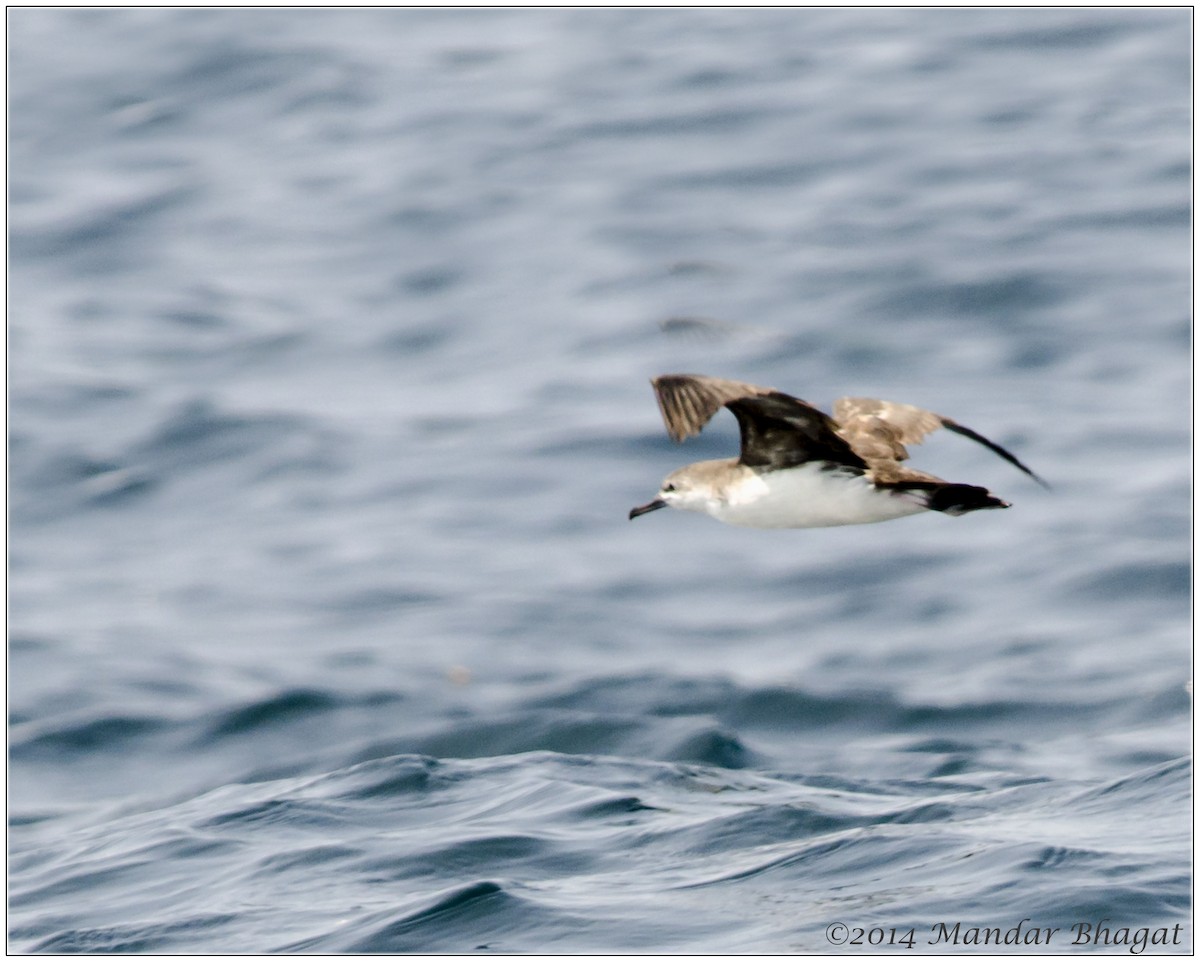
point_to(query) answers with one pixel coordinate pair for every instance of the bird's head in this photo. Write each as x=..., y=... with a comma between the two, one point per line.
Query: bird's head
x=680, y=489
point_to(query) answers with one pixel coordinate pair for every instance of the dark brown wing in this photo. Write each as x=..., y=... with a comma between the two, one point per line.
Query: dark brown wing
x=778, y=430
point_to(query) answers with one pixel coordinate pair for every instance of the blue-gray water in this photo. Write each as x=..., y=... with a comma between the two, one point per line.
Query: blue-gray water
x=329, y=341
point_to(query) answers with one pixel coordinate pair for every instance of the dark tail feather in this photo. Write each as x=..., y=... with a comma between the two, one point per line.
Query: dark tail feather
x=956, y=499
x=952, y=499
x=991, y=446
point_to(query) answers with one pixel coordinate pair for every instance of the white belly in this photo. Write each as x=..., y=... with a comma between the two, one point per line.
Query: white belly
x=808, y=497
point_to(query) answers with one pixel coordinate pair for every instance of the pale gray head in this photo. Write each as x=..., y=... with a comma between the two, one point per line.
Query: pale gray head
x=691, y=488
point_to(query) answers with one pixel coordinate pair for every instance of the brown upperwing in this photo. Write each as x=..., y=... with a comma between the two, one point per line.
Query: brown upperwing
x=779, y=430
x=879, y=430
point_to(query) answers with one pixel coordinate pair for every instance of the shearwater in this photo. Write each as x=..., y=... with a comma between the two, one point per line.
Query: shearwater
x=801, y=468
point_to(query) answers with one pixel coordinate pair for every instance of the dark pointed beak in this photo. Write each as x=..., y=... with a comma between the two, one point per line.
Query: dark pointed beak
x=647, y=508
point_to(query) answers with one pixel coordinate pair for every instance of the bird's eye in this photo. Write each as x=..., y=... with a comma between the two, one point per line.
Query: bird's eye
x=668, y=487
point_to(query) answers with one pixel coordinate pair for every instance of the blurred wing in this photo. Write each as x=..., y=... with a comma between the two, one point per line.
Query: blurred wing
x=689, y=401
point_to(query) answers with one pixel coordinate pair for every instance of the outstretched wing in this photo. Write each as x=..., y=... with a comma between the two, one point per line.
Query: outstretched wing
x=879, y=430
x=777, y=430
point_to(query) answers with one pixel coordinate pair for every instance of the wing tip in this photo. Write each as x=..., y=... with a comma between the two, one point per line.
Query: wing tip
x=674, y=415
x=951, y=425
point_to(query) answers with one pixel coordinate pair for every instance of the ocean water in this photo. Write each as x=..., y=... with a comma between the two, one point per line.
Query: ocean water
x=329, y=343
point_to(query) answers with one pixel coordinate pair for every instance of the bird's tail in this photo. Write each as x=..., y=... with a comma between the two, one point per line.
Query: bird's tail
x=952, y=499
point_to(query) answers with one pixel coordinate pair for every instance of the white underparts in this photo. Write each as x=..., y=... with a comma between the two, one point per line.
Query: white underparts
x=807, y=496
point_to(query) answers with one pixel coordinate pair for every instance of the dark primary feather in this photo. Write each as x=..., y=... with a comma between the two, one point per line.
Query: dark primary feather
x=991, y=446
